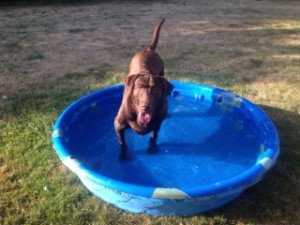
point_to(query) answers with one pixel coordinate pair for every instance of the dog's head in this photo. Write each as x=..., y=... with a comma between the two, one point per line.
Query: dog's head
x=146, y=94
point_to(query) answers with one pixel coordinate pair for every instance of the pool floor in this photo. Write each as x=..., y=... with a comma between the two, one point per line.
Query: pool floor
x=200, y=142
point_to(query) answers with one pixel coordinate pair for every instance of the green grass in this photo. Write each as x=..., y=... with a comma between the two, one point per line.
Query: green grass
x=261, y=64
x=39, y=190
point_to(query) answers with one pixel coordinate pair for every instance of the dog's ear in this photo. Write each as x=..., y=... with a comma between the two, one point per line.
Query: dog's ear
x=129, y=81
x=168, y=87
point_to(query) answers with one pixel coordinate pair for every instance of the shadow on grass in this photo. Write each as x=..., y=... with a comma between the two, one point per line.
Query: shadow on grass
x=271, y=200
x=43, y=98
x=57, y=94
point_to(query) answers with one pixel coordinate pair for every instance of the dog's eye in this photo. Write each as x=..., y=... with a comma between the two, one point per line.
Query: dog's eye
x=140, y=87
x=155, y=89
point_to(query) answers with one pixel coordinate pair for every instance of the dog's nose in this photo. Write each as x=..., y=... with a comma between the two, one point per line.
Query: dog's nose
x=145, y=107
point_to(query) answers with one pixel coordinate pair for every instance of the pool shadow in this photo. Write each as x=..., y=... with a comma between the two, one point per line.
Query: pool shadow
x=267, y=201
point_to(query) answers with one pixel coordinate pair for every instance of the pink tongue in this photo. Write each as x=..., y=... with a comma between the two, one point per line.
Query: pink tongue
x=144, y=118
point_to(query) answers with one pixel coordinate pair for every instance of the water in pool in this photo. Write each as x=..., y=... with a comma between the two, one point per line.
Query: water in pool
x=200, y=142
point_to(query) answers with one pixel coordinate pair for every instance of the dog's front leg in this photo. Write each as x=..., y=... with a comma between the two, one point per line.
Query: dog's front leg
x=120, y=132
x=152, y=146
x=124, y=153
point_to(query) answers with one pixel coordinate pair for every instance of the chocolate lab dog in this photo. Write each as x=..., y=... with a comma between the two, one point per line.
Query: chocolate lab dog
x=144, y=102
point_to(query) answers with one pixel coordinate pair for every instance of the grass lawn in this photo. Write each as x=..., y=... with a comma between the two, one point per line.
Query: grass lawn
x=53, y=52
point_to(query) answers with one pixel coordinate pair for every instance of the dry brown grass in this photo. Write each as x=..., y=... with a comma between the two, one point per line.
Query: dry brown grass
x=253, y=40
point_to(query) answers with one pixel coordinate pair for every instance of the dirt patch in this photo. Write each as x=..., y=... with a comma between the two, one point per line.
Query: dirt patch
x=42, y=42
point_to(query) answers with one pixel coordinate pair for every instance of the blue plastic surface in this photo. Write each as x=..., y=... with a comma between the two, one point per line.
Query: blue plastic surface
x=212, y=146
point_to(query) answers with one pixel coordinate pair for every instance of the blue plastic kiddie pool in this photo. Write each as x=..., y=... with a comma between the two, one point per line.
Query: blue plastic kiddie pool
x=212, y=146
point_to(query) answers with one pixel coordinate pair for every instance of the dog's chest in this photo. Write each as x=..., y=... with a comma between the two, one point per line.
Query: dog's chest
x=140, y=129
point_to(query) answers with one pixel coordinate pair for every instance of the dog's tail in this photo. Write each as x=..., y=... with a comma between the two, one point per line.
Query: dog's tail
x=154, y=40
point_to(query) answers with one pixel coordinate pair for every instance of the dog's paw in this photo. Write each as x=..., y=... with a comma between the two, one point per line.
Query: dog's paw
x=124, y=155
x=152, y=147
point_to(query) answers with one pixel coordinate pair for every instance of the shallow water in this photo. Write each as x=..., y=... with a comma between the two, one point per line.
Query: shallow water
x=200, y=142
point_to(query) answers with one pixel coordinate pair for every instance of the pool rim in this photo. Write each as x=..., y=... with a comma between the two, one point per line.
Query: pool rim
x=232, y=185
